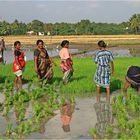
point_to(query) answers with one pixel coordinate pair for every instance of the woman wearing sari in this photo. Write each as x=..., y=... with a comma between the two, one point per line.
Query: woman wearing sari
x=66, y=61
x=42, y=62
x=2, y=48
x=18, y=64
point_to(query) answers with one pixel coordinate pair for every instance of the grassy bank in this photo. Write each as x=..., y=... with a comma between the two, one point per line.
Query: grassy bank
x=82, y=81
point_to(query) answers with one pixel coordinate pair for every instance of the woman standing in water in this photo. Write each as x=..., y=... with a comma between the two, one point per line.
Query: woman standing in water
x=103, y=59
x=2, y=48
x=42, y=62
x=66, y=61
x=18, y=64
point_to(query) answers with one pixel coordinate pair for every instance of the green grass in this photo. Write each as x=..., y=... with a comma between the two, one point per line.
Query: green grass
x=82, y=83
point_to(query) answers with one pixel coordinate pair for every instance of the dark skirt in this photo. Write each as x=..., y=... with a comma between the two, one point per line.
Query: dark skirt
x=133, y=75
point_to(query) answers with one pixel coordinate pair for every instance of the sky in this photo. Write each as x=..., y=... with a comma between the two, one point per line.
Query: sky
x=70, y=11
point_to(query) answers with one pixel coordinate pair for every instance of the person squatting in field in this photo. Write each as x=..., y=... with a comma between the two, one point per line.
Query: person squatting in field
x=18, y=64
x=132, y=79
x=66, y=63
x=42, y=62
x=2, y=48
x=103, y=59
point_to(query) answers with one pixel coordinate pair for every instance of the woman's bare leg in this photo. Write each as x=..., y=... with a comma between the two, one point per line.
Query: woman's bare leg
x=20, y=82
x=108, y=94
x=16, y=83
x=50, y=76
x=98, y=93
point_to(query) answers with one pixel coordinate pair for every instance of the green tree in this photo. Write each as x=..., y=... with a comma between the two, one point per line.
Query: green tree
x=83, y=27
x=18, y=28
x=5, y=28
x=48, y=28
x=36, y=26
x=135, y=23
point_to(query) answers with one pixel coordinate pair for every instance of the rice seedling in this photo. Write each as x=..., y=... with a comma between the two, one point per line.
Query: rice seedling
x=46, y=99
x=126, y=124
x=82, y=81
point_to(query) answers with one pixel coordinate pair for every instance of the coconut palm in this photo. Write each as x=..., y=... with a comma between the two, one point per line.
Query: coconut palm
x=135, y=23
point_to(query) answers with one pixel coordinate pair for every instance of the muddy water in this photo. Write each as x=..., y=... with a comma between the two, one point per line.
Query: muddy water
x=8, y=54
x=116, y=53
x=128, y=52
x=81, y=120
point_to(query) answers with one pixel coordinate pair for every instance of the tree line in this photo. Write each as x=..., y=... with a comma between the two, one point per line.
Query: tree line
x=84, y=27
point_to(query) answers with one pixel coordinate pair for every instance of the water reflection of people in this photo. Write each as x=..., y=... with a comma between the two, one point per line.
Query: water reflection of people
x=2, y=48
x=104, y=117
x=132, y=79
x=42, y=62
x=66, y=115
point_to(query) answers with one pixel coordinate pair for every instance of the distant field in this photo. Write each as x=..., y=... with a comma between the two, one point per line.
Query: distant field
x=84, y=39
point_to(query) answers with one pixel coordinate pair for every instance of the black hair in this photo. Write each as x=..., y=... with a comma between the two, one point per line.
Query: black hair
x=38, y=41
x=16, y=42
x=64, y=42
x=102, y=44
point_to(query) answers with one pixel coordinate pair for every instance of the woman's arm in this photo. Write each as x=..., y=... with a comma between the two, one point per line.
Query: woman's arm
x=35, y=64
x=16, y=55
x=17, y=61
x=112, y=66
x=68, y=62
x=52, y=61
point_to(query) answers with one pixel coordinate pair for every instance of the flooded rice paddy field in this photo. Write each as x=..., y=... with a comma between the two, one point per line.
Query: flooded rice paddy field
x=82, y=119
x=8, y=54
x=84, y=116
x=78, y=51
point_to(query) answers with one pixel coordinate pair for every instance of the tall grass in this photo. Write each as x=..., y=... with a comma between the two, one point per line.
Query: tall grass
x=82, y=81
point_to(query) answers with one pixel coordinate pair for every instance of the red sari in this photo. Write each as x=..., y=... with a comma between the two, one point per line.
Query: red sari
x=21, y=61
x=66, y=60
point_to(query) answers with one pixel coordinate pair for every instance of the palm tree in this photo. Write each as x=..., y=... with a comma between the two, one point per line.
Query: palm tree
x=135, y=23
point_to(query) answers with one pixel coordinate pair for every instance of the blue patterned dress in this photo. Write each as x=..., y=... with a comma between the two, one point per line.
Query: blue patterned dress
x=102, y=75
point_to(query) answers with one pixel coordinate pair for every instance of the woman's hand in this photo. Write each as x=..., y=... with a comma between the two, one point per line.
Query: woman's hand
x=113, y=73
x=20, y=67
